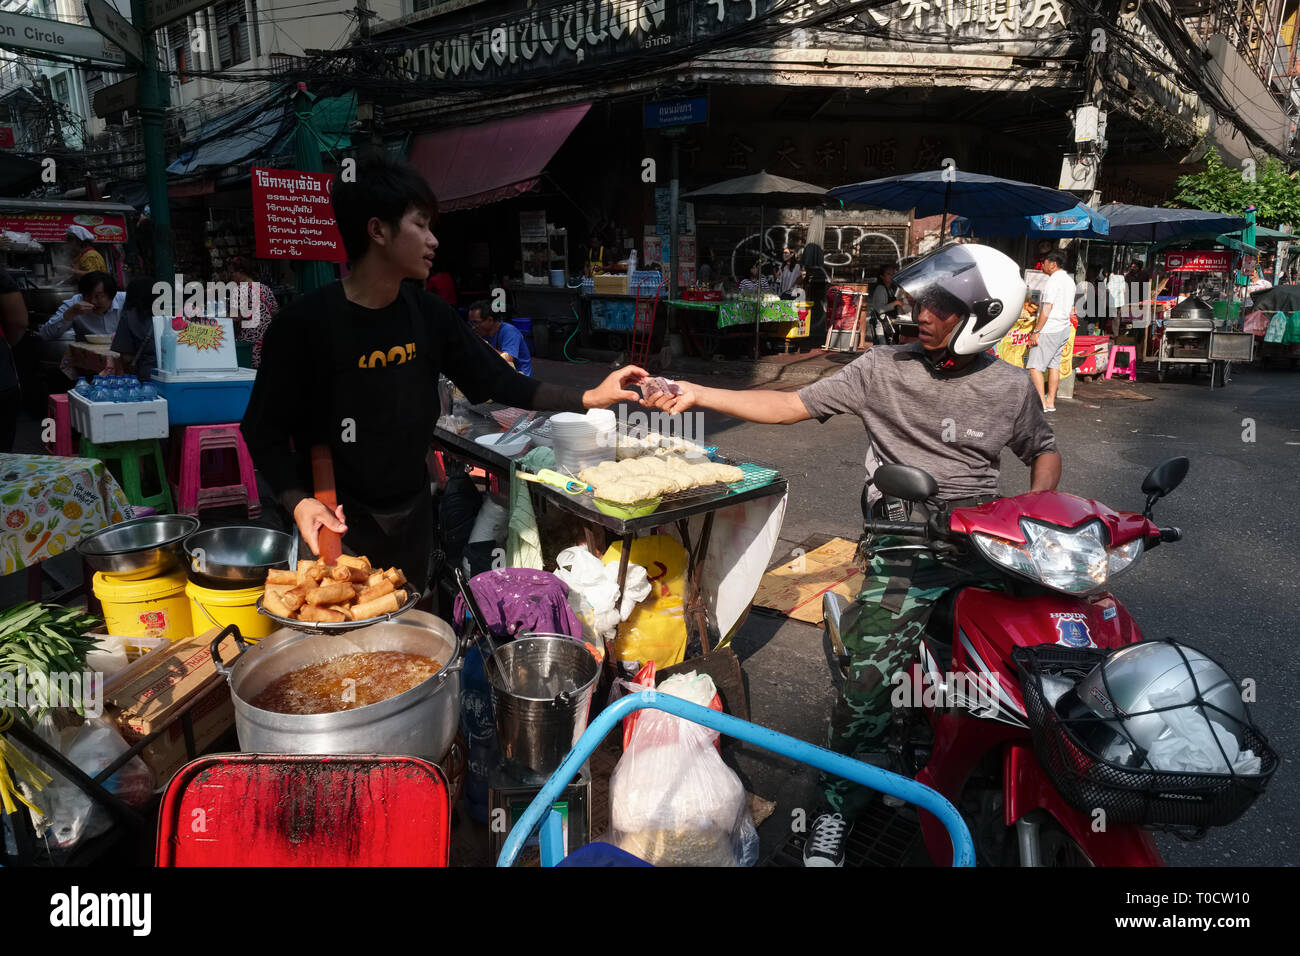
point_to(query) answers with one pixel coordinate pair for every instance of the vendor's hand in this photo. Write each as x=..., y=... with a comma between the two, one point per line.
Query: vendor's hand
x=311, y=515
x=615, y=388
x=687, y=398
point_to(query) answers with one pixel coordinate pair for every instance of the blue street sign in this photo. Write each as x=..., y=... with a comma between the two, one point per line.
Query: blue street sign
x=677, y=112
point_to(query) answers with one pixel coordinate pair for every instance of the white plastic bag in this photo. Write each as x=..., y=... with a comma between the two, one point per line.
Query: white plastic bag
x=672, y=800
x=1190, y=747
x=70, y=815
x=596, y=584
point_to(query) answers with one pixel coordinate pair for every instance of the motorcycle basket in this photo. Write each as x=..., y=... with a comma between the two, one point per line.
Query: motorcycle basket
x=1180, y=801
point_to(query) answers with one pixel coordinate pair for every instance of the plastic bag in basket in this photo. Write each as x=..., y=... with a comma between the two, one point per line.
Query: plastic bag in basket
x=673, y=802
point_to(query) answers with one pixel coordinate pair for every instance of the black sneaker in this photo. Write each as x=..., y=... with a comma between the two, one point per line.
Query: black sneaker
x=826, y=841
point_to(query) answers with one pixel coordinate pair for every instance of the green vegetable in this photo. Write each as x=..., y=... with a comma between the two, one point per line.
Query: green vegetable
x=45, y=639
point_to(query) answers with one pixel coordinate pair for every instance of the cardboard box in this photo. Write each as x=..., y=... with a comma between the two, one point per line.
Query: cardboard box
x=212, y=715
x=609, y=285
x=155, y=689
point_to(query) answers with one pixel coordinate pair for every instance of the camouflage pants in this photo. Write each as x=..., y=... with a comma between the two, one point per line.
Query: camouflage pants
x=881, y=635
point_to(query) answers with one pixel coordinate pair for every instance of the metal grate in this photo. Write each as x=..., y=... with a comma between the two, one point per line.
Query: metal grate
x=881, y=837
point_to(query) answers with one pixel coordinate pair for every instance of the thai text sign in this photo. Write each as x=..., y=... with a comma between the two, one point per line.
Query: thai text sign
x=1209, y=261
x=294, y=216
x=53, y=226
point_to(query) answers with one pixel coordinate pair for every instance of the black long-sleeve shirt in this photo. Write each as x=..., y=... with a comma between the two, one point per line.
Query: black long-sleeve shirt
x=336, y=373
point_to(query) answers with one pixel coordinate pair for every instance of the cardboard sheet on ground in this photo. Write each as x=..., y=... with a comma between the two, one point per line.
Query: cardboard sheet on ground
x=795, y=589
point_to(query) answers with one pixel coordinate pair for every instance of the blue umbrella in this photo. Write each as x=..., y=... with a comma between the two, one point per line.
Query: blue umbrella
x=1152, y=223
x=1081, y=222
x=968, y=194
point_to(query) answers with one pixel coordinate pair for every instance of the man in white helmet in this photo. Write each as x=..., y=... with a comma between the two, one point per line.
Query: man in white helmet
x=942, y=404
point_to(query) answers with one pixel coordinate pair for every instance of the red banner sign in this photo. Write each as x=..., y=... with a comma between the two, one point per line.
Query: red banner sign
x=6, y=137
x=294, y=217
x=51, y=226
x=1209, y=261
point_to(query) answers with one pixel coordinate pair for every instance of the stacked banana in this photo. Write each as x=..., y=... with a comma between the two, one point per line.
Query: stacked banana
x=639, y=479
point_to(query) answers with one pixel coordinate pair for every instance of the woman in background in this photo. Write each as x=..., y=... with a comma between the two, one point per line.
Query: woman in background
x=261, y=301
x=85, y=257
x=133, y=340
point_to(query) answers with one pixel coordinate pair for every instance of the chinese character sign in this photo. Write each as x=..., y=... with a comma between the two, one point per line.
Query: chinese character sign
x=294, y=216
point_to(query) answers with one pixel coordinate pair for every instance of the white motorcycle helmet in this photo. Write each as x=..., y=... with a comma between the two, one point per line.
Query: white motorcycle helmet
x=1118, y=691
x=974, y=280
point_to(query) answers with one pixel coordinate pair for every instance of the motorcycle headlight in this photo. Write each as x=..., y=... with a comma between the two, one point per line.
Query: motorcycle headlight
x=1070, y=560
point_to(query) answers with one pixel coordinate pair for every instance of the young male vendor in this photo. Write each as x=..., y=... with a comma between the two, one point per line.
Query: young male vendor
x=354, y=366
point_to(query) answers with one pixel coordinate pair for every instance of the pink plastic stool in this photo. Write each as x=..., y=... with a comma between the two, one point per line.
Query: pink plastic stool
x=193, y=494
x=57, y=409
x=1132, y=371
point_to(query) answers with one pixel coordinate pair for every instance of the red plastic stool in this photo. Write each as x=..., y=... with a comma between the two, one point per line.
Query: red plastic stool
x=57, y=409
x=193, y=495
x=1132, y=371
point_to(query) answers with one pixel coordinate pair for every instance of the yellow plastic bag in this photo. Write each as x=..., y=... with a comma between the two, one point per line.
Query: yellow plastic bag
x=1014, y=347
x=656, y=630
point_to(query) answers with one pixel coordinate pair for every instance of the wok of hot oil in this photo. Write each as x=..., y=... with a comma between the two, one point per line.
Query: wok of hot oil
x=346, y=682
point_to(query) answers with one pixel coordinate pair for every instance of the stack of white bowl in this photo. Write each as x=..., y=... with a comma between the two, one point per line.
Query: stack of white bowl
x=581, y=441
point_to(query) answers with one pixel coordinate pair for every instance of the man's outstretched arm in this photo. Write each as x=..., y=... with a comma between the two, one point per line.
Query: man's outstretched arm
x=761, y=405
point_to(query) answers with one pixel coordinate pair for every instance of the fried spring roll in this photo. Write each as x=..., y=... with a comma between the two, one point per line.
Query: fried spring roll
x=401, y=597
x=377, y=577
x=274, y=604
x=384, y=605
x=360, y=564
x=360, y=575
x=376, y=591
x=340, y=573
x=396, y=576
x=331, y=593
x=343, y=609
x=295, y=597
x=304, y=564
x=275, y=576
x=321, y=615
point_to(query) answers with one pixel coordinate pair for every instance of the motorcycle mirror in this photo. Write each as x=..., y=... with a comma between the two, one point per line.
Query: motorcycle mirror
x=1165, y=477
x=906, y=482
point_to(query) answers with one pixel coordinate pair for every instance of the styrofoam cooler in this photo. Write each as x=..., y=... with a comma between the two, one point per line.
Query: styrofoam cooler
x=106, y=422
x=205, y=398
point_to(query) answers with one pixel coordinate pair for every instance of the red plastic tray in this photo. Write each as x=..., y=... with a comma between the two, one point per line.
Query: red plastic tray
x=304, y=810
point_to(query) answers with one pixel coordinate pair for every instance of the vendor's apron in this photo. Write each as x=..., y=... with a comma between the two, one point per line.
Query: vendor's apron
x=398, y=535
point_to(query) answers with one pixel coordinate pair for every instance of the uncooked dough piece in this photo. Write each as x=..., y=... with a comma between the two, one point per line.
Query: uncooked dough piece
x=635, y=466
x=606, y=470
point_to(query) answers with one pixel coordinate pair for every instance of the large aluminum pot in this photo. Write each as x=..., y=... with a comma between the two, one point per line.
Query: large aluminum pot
x=421, y=722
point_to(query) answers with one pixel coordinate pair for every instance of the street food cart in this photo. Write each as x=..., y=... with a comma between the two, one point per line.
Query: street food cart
x=1189, y=339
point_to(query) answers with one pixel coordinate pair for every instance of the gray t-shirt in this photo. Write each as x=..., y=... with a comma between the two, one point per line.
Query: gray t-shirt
x=953, y=426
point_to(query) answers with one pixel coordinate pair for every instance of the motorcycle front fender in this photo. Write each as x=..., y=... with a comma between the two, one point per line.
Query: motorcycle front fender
x=1026, y=788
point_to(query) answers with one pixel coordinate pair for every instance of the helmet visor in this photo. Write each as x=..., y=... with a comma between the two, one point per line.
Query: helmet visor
x=949, y=280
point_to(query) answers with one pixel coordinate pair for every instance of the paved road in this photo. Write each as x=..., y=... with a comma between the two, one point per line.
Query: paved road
x=1230, y=587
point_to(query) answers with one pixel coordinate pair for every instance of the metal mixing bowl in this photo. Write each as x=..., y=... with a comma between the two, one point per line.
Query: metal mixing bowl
x=138, y=545
x=234, y=557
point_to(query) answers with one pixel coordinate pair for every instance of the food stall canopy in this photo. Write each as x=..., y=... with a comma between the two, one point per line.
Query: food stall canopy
x=760, y=189
x=938, y=191
x=1081, y=222
x=47, y=220
x=475, y=165
x=1152, y=223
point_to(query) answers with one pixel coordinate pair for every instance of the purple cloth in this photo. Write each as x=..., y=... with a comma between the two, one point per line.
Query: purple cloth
x=514, y=600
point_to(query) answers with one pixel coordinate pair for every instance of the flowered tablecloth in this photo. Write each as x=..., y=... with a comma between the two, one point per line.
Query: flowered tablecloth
x=741, y=312
x=48, y=504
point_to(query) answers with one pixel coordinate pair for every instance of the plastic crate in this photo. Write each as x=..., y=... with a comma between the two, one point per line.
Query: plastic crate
x=107, y=422
x=207, y=401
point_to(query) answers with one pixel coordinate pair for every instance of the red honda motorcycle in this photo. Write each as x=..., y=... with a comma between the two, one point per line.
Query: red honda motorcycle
x=964, y=729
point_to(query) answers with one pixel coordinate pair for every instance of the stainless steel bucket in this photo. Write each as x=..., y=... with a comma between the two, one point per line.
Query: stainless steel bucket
x=421, y=722
x=541, y=691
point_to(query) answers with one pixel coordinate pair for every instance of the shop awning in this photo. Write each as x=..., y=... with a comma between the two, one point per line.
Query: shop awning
x=474, y=165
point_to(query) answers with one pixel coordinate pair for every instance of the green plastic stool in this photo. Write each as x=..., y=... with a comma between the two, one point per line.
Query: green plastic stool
x=132, y=457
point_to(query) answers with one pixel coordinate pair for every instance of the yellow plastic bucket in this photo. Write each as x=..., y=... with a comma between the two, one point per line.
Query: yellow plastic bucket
x=211, y=608
x=155, y=607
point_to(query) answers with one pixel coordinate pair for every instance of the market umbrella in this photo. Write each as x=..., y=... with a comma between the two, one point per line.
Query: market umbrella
x=953, y=191
x=1151, y=223
x=1081, y=222
x=306, y=158
x=761, y=189
x=1280, y=298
